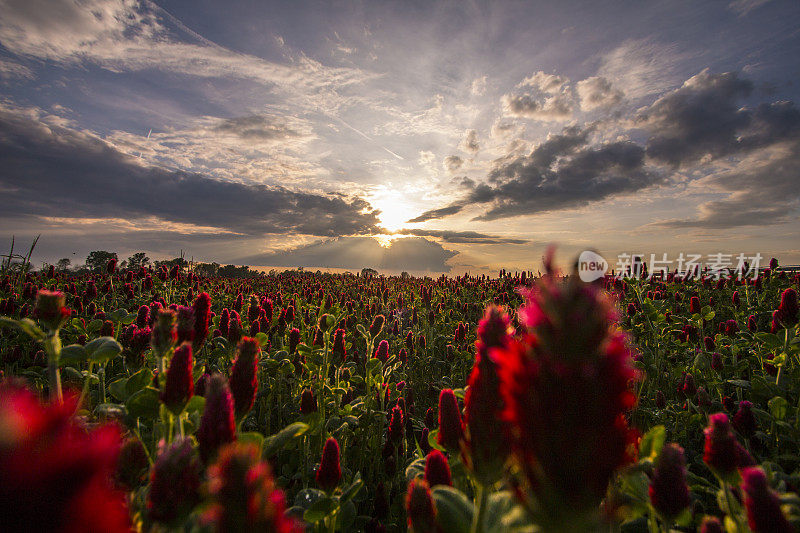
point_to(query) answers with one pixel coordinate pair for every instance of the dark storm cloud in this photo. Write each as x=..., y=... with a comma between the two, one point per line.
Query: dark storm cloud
x=411, y=253
x=461, y=237
x=699, y=119
x=258, y=128
x=438, y=213
x=561, y=172
x=763, y=191
x=551, y=179
x=59, y=172
x=703, y=121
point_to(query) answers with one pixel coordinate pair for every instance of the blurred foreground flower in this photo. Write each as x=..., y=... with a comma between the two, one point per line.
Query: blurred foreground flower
x=566, y=391
x=54, y=475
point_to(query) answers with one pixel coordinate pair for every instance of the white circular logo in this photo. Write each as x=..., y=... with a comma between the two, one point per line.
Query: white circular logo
x=591, y=266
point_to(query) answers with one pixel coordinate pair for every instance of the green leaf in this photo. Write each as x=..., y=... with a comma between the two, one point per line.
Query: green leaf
x=374, y=366
x=454, y=510
x=263, y=338
x=770, y=339
x=308, y=497
x=503, y=513
x=354, y=488
x=27, y=325
x=117, y=315
x=138, y=381
x=416, y=468
x=117, y=389
x=73, y=354
x=778, y=407
x=432, y=440
x=742, y=383
x=281, y=439
x=94, y=325
x=196, y=404
x=319, y=510
x=361, y=329
x=144, y=404
x=102, y=349
x=652, y=442
x=252, y=437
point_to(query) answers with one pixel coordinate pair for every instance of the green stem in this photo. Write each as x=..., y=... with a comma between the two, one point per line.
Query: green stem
x=101, y=374
x=52, y=345
x=482, y=498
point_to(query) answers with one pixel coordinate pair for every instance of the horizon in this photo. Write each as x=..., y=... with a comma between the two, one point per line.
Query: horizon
x=433, y=138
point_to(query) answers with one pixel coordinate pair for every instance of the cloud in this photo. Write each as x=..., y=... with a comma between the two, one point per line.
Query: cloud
x=545, y=83
x=470, y=142
x=750, y=154
x=640, y=67
x=479, y=86
x=703, y=121
x=462, y=237
x=598, y=93
x=762, y=191
x=134, y=36
x=438, y=213
x=426, y=157
x=11, y=70
x=562, y=172
x=54, y=171
x=743, y=7
x=452, y=163
x=415, y=254
x=553, y=108
x=258, y=128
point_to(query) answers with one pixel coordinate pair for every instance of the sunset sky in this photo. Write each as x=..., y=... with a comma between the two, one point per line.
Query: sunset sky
x=420, y=136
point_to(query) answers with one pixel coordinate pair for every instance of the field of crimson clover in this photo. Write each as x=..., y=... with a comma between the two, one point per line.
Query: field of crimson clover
x=158, y=400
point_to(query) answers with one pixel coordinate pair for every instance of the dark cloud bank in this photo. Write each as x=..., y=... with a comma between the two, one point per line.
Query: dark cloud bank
x=410, y=253
x=56, y=171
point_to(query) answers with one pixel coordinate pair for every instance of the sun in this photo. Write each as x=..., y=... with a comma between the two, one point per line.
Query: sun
x=395, y=209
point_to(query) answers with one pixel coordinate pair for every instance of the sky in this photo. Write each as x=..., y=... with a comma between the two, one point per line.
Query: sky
x=431, y=137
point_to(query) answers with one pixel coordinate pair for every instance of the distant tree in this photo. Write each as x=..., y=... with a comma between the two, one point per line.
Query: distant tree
x=368, y=272
x=96, y=261
x=62, y=265
x=169, y=263
x=138, y=260
x=206, y=269
x=233, y=271
x=405, y=275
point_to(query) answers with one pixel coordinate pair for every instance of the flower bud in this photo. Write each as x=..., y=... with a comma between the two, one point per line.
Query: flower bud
x=217, y=426
x=669, y=492
x=50, y=309
x=764, y=514
x=308, y=403
x=175, y=481
x=437, y=470
x=330, y=472
x=244, y=376
x=180, y=381
x=420, y=508
x=720, y=446
x=450, y=424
